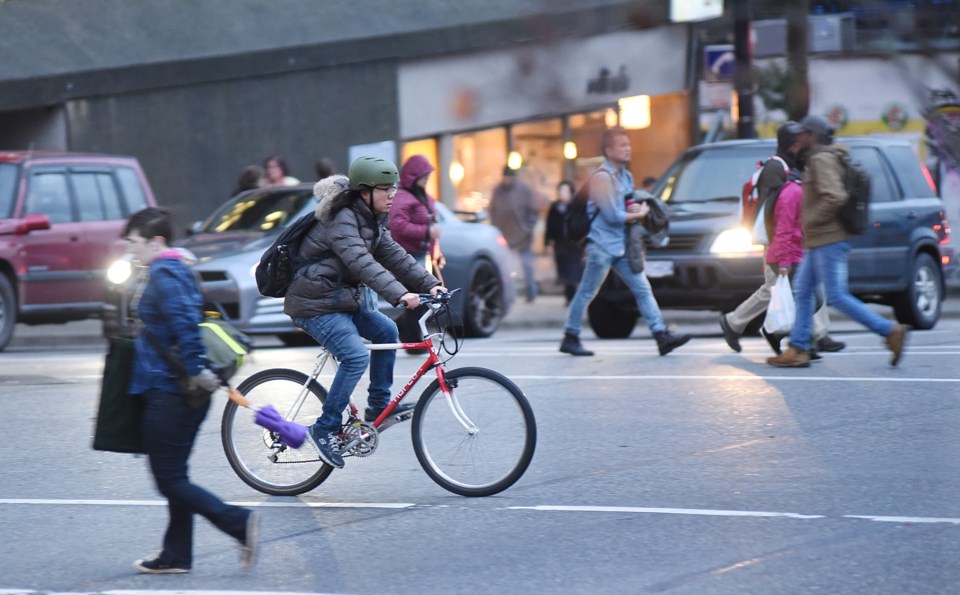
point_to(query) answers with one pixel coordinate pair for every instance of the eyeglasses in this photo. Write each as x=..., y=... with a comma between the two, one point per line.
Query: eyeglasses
x=390, y=189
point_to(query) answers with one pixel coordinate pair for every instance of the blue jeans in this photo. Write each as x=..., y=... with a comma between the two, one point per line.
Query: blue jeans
x=828, y=265
x=526, y=261
x=340, y=333
x=599, y=263
x=169, y=430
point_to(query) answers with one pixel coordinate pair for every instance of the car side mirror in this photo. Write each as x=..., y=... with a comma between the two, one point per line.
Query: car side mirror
x=194, y=229
x=34, y=222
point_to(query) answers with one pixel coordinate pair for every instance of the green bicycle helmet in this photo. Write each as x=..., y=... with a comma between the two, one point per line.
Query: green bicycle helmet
x=372, y=171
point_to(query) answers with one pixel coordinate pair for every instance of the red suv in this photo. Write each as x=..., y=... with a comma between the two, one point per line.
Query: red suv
x=61, y=215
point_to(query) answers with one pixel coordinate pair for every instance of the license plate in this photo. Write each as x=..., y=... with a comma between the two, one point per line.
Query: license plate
x=659, y=268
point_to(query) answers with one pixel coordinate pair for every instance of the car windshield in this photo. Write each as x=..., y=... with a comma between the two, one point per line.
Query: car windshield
x=262, y=211
x=8, y=182
x=711, y=175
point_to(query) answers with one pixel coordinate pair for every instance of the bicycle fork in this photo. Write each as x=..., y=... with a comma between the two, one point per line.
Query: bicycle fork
x=447, y=386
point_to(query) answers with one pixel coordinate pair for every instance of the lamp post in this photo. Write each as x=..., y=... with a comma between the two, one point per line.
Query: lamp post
x=743, y=74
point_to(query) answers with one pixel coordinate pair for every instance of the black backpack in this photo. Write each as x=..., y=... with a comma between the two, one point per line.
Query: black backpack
x=280, y=262
x=577, y=220
x=855, y=213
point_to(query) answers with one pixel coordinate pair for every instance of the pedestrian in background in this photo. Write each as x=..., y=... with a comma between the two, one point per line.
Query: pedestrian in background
x=828, y=250
x=413, y=224
x=610, y=187
x=567, y=255
x=170, y=308
x=514, y=211
x=324, y=168
x=251, y=177
x=781, y=194
x=278, y=174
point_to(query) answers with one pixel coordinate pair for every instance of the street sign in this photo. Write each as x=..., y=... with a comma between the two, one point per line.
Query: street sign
x=718, y=63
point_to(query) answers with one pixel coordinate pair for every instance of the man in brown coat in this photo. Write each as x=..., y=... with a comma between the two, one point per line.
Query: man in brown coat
x=513, y=210
x=828, y=251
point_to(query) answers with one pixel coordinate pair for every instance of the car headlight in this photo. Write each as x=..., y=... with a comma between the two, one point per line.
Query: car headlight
x=120, y=271
x=735, y=241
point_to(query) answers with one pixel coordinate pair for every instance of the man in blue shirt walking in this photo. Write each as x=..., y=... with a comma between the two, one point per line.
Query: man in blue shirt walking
x=610, y=186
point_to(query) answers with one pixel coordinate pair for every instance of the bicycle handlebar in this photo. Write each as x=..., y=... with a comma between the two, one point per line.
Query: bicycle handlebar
x=440, y=299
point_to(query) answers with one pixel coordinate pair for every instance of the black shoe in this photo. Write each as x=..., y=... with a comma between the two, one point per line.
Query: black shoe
x=667, y=341
x=814, y=355
x=773, y=339
x=155, y=566
x=732, y=338
x=571, y=344
x=328, y=446
x=828, y=345
x=401, y=412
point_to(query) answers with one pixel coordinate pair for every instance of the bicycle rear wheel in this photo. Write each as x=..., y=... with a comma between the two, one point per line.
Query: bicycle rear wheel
x=256, y=454
x=479, y=441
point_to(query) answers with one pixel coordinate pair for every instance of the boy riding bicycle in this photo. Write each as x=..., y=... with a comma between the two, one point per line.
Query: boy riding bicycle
x=350, y=249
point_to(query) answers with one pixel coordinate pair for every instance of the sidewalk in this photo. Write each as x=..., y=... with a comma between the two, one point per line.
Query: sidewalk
x=548, y=311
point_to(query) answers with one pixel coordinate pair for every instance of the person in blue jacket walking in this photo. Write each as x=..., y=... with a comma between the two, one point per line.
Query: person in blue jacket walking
x=170, y=308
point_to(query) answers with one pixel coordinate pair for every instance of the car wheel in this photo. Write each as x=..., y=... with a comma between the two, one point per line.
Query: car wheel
x=919, y=306
x=483, y=310
x=8, y=311
x=610, y=321
x=300, y=339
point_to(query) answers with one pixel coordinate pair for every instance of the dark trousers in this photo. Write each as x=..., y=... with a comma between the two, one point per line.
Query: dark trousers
x=169, y=431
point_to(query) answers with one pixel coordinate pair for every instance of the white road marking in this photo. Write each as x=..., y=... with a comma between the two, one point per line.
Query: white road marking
x=903, y=519
x=535, y=508
x=291, y=504
x=690, y=511
x=735, y=377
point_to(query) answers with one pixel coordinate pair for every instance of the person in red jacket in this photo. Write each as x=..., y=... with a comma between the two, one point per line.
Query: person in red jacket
x=413, y=224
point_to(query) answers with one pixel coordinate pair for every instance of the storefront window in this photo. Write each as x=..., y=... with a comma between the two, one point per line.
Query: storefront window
x=477, y=166
x=585, y=132
x=428, y=148
x=540, y=145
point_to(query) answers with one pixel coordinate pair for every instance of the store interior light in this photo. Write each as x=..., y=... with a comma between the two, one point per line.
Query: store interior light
x=514, y=160
x=570, y=150
x=635, y=112
x=611, y=118
x=456, y=173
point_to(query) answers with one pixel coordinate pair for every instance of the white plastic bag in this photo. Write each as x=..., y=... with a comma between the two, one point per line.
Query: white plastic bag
x=760, y=229
x=782, y=309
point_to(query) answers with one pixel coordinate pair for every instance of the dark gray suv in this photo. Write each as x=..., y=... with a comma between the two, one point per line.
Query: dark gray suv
x=711, y=262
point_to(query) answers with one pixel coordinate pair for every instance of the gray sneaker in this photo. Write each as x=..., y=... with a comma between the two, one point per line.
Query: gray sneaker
x=328, y=446
x=248, y=551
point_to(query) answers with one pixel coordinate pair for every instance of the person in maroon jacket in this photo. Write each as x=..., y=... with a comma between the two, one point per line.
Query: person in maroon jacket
x=413, y=224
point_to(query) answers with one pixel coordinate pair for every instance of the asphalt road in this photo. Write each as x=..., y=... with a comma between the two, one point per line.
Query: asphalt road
x=701, y=472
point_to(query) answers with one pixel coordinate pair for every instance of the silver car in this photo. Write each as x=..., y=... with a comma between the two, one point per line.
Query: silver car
x=229, y=244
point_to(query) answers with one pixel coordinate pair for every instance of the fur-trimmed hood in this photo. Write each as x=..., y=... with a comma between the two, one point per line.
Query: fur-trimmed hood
x=326, y=190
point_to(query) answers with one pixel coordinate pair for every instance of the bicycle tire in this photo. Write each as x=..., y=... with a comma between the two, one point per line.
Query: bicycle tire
x=486, y=462
x=249, y=447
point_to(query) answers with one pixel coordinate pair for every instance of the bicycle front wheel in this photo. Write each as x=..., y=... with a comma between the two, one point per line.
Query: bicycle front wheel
x=257, y=455
x=478, y=440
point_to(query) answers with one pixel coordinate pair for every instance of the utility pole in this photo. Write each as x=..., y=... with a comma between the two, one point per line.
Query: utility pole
x=743, y=74
x=798, y=85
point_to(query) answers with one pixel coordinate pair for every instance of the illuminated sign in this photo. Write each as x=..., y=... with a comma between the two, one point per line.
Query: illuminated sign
x=682, y=11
